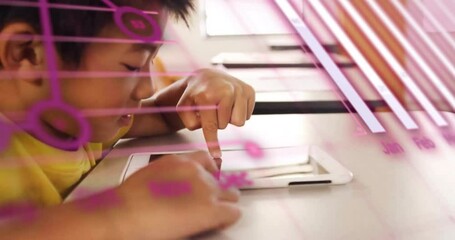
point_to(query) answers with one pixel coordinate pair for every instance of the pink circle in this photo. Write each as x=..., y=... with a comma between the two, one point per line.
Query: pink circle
x=60, y=124
x=35, y=125
x=119, y=21
x=254, y=150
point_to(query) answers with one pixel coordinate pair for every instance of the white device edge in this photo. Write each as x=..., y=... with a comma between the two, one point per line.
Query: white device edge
x=338, y=174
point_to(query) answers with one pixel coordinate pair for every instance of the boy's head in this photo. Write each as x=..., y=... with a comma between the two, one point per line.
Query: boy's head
x=22, y=53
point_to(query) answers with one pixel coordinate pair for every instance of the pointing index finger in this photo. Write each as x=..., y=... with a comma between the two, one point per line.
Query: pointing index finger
x=209, y=123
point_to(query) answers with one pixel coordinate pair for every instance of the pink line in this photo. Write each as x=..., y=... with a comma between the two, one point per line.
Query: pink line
x=48, y=48
x=171, y=148
x=22, y=37
x=123, y=111
x=127, y=151
x=94, y=74
x=63, y=6
x=360, y=127
x=330, y=82
x=110, y=4
x=104, y=40
x=284, y=206
x=105, y=199
x=107, y=112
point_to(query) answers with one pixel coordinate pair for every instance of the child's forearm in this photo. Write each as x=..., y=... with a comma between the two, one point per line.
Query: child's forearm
x=150, y=124
x=67, y=221
x=165, y=120
x=153, y=124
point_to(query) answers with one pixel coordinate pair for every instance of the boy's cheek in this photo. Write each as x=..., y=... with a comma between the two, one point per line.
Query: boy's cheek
x=104, y=129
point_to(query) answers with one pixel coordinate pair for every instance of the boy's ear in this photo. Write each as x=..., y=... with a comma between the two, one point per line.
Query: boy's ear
x=21, y=52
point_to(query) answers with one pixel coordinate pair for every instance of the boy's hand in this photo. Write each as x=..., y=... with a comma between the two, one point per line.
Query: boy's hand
x=144, y=215
x=232, y=100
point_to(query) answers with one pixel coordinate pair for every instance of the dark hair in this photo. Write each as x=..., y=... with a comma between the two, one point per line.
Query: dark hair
x=82, y=23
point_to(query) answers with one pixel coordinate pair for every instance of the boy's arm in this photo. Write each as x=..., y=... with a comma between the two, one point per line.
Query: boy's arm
x=133, y=211
x=208, y=99
x=165, y=120
x=61, y=222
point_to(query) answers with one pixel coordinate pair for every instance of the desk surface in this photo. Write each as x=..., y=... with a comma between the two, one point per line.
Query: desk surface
x=406, y=195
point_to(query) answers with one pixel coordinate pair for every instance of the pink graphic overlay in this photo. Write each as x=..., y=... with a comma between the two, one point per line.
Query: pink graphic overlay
x=194, y=63
x=405, y=77
x=414, y=54
x=433, y=16
x=33, y=123
x=248, y=28
x=80, y=39
x=140, y=23
x=237, y=180
x=62, y=6
x=24, y=212
x=365, y=66
x=445, y=9
x=166, y=189
x=333, y=70
x=125, y=152
x=93, y=74
x=46, y=26
x=36, y=126
x=253, y=149
x=137, y=24
x=108, y=198
x=170, y=189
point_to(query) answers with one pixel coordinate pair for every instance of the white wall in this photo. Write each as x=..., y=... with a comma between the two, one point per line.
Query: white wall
x=201, y=49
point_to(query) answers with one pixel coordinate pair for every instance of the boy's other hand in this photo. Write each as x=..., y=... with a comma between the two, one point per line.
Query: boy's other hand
x=145, y=215
x=229, y=99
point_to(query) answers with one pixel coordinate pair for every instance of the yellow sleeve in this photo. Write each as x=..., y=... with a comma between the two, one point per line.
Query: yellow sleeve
x=33, y=172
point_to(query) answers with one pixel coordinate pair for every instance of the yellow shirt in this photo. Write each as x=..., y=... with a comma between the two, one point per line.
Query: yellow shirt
x=33, y=172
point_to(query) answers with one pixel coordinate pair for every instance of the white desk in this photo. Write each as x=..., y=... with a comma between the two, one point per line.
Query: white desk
x=405, y=196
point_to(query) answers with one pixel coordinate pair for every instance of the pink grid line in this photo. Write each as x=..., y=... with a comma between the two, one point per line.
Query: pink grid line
x=62, y=6
x=127, y=151
x=92, y=74
x=24, y=37
x=361, y=130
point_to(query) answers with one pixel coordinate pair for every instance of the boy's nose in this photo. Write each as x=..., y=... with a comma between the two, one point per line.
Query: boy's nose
x=143, y=89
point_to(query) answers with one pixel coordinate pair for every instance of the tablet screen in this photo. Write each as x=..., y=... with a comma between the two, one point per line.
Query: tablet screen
x=274, y=162
x=280, y=164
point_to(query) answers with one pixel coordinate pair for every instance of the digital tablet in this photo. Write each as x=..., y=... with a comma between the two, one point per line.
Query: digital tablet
x=267, y=168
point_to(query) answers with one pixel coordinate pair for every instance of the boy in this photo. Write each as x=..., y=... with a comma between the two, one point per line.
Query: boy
x=33, y=172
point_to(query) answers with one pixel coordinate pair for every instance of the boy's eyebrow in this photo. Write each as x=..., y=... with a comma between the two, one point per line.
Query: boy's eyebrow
x=151, y=47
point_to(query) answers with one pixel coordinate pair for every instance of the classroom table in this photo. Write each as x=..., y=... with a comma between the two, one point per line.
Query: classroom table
x=405, y=194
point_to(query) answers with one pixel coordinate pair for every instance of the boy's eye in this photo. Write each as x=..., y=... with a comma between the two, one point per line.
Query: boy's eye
x=132, y=68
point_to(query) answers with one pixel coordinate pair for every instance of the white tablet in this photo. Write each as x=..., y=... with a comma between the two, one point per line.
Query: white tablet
x=268, y=168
